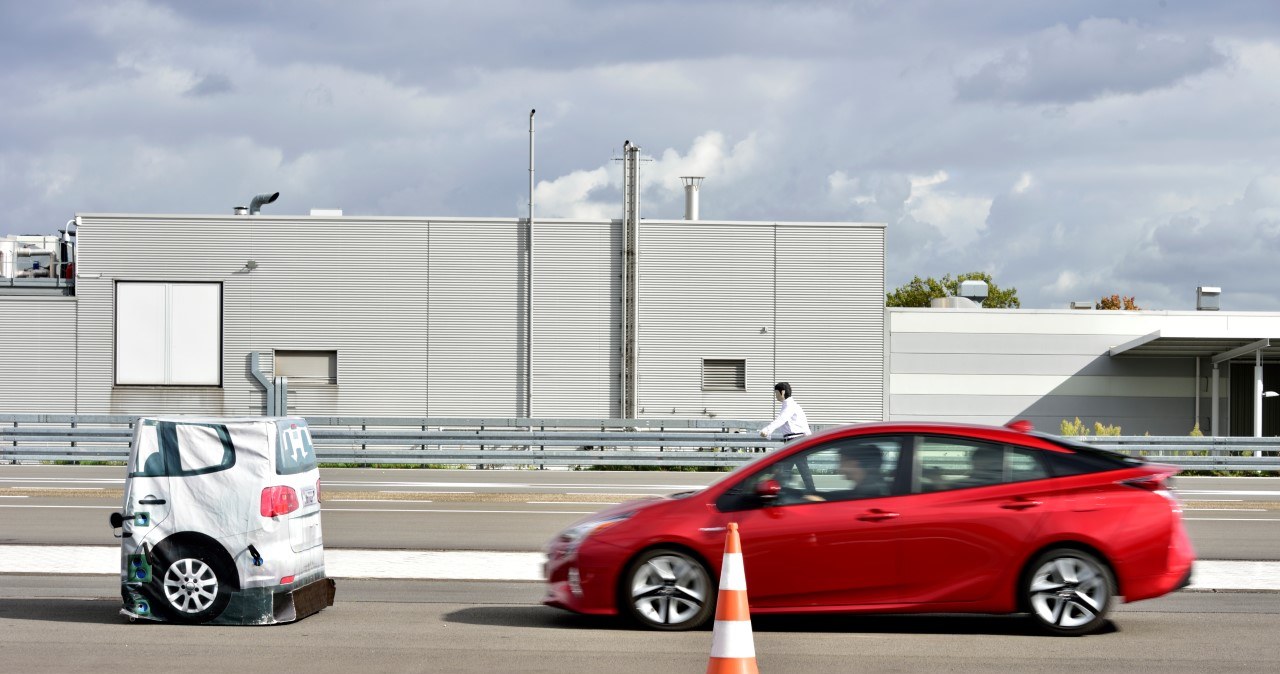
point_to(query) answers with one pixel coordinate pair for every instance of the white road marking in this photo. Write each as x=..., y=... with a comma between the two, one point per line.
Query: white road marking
x=569, y=503
x=475, y=565
x=1224, y=510
x=459, y=511
x=367, y=500
x=388, y=491
x=1229, y=519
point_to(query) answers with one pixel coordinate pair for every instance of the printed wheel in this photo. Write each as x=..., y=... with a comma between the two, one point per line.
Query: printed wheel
x=668, y=589
x=194, y=585
x=1068, y=592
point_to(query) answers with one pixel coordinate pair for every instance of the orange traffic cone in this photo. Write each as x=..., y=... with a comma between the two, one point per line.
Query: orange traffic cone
x=732, y=649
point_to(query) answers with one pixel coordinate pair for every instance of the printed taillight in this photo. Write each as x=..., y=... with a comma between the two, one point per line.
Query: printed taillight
x=279, y=501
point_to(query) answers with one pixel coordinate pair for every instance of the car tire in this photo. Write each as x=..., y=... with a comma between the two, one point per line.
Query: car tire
x=193, y=584
x=668, y=589
x=1068, y=592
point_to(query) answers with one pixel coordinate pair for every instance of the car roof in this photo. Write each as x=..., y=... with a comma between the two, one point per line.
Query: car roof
x=976, y=431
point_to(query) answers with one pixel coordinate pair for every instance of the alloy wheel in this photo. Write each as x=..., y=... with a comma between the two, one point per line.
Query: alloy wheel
x=1070, y=593
x=670, y=590
x=190, y=585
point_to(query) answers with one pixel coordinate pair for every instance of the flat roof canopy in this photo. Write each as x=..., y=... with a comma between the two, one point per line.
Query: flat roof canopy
x=1219, y=349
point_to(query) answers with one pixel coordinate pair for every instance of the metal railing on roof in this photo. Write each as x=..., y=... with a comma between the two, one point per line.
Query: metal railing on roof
x=553, y=442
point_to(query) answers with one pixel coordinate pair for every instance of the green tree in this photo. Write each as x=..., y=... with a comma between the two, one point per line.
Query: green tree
x=919, y=292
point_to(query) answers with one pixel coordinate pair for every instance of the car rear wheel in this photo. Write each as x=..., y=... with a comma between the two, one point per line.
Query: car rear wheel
x=668, y=589
x=194, y=585
x=1068, y=592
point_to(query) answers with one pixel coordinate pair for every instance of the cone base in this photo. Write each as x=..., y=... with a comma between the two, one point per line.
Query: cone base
x=732, y=666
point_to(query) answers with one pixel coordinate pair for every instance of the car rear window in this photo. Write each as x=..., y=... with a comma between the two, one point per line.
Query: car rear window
x=294, y=451
x=1084, y=458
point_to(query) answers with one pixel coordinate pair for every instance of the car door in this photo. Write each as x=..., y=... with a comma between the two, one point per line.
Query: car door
x=147, y=502
x=970, y=517
x=815, y=544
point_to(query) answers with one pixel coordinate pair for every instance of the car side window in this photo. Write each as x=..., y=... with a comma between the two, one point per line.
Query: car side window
x=1026, y=465
x=850, y=468
x=854, y=468
x=955, y=463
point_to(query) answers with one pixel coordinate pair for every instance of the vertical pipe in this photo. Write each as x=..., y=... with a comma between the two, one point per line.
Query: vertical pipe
x=528, y=335
x=1213, y=402
x=1257, y=393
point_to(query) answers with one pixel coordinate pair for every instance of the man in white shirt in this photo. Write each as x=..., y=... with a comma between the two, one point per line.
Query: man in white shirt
x=791, y=418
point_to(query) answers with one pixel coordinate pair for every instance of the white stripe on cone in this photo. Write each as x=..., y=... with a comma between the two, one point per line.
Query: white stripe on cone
x=732, y=639
x=733, y=575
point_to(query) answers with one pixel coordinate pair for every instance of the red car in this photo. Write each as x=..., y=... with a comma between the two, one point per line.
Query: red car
x=893, y=518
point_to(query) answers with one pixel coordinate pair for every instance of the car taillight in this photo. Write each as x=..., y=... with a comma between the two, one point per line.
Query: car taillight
x=317, y=490
x=1159, y=483
x=279, y=501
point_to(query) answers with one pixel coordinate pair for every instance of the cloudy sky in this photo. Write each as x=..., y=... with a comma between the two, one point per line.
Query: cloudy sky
x=1072, y=149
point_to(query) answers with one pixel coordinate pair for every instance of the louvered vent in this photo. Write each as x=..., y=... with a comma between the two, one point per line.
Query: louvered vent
x=724, y=374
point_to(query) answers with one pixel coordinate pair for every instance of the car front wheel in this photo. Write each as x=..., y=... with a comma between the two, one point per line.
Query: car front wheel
x=1068, y=592
x=668, y=589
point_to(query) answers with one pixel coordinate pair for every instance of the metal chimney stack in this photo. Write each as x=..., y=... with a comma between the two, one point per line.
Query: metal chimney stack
x=692, y=184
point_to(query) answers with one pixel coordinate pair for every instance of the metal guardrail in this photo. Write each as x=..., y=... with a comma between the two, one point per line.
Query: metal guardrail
x=552, y=442
x=422, y=441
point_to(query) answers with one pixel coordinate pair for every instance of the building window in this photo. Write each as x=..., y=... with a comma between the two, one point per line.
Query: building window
x=168, y=334
x=307, y=367
x=724, y=374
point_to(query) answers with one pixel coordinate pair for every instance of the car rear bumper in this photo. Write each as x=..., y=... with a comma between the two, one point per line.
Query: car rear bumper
x=1176, y=575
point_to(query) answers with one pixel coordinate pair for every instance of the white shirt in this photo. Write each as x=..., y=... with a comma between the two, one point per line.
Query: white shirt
x=791, y=419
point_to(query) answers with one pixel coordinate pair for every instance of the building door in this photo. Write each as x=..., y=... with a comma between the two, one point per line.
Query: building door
x=1241, y=389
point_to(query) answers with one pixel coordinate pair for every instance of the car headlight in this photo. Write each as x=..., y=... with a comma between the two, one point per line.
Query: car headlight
x=576, y=534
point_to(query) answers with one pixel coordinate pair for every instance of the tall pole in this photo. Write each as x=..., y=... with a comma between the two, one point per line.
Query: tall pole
x=630, y=277
x=528, y=296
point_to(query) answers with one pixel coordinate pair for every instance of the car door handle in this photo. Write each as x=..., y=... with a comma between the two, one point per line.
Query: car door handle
x=877, y=515
x=151, y=500
x=1021, y=504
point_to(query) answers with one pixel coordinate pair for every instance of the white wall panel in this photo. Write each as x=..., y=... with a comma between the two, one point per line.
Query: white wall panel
x=576, y=319
x=37, y=354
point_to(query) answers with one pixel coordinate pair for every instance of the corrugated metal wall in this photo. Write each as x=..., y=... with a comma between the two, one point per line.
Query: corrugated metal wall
x=799, y=302
x=38, y=367
x=830, y=326
x=427, y=316
x=576, y=319
x=475, y=361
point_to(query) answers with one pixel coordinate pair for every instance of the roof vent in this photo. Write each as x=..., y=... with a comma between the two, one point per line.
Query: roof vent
x=953, y=303
x=1207, y=298
x=262, y=200
x=973, y=289
x=1083, y=305
x=692, y=185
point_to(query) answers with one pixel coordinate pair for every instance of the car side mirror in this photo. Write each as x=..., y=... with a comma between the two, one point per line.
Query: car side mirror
x=768, y=490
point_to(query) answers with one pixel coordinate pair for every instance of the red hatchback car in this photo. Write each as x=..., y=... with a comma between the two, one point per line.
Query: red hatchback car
x=893, y=518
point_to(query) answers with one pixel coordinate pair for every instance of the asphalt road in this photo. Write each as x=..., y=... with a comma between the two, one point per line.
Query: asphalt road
x=70, y=623
x=508, y=510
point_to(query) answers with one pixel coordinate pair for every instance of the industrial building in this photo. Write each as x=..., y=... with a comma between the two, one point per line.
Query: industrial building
x=452, y=318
